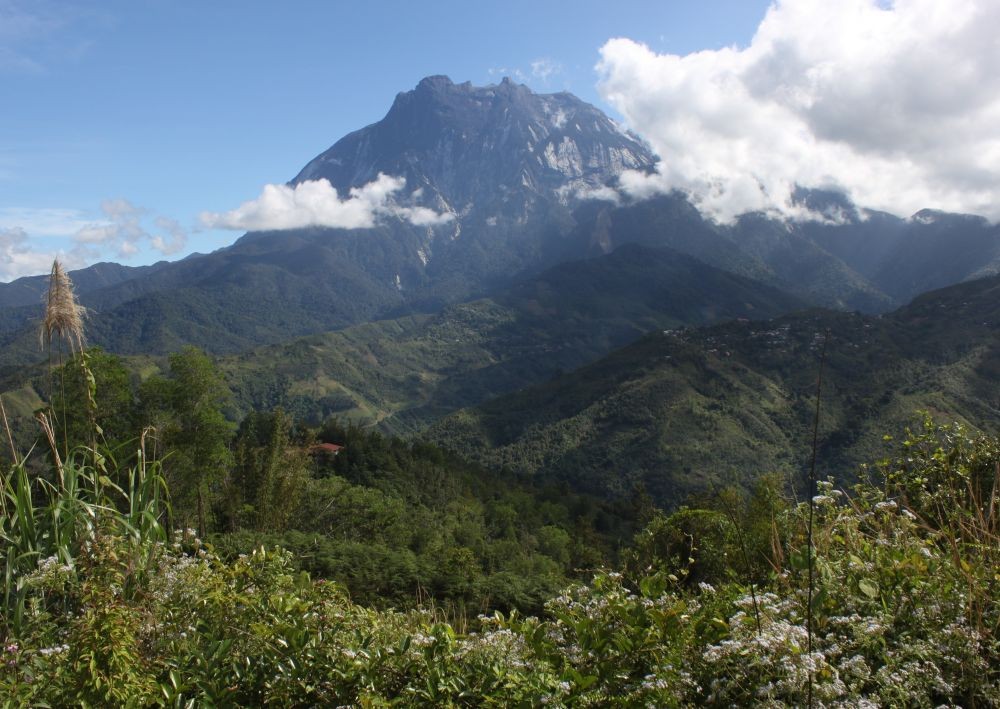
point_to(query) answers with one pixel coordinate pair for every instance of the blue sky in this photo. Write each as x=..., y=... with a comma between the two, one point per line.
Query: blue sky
x=122, y=121
x=182, y=107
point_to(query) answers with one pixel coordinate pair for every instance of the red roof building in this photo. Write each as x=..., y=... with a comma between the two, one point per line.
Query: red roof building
x=331, y=448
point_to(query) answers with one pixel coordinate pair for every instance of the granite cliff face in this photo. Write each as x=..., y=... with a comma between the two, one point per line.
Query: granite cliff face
x=491, y=151
x=508, y=165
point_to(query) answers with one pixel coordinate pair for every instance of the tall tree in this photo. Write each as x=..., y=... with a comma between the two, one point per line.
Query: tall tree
x=187, y=408
x=112, y=408
x=269, y=472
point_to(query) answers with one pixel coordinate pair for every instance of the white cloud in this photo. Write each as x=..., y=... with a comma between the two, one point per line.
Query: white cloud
x=604, y=193
x=545, y=68
x=316, y=203
x=18, y=258
x=175, y=240
x=123, y=229
x=422, y=216
x=31, y=238
x=43, y=221
x=28, y=239
x=895, y=103
x=538, y=72
x=512, y=72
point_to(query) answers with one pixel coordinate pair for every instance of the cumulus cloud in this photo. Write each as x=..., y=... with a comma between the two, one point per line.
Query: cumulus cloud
x=175, y=239
x=18, y=258
x=123, y=230
x=30, y=238
x=316, y=203
x=897, y=104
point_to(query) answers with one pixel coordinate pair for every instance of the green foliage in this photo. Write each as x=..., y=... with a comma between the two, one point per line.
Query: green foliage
x=46, y=525
x=186, y=410
x=429, y=366
x=948, y=481
x=905, y=613
x=269, y=474
x=698, y=546
x=92, y=394
x=101, y=609
x=684, y=412
x=400, y=522
x=397, y=522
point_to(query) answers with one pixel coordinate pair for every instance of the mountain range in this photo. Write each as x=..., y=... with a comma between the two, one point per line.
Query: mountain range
x=517, y=325
x=528, y=182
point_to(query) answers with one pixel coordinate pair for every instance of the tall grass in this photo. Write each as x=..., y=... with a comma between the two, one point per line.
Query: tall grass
x=63, y=314
x=59, y=520
x=62, y=326
x=54, y=516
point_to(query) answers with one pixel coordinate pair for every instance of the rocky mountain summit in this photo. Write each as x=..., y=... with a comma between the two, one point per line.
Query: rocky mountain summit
x=518, y=183
x=492, y=151
x=507, y=166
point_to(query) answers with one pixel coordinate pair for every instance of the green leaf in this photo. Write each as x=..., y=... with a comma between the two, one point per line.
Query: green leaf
x=868, y=588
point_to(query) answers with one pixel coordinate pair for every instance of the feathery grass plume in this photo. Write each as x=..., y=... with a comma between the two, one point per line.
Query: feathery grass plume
x=63, y=323
x=63, y=315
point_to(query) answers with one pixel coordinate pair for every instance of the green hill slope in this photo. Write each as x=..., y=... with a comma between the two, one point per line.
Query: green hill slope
x=682, y=410
x=407, y=372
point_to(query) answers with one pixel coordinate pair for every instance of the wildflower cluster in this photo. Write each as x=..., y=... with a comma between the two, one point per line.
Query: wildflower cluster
x=904, y=613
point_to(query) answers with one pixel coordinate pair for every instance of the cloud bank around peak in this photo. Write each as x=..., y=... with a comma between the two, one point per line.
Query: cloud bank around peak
x=316, y=203
x=897, y=104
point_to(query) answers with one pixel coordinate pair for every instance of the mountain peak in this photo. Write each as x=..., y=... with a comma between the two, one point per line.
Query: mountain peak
x=499, y=144
x=506, y=83
x=437, y=81
x=441, y=83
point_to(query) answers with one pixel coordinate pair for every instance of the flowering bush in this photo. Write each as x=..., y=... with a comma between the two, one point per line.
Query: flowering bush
x=904, y=612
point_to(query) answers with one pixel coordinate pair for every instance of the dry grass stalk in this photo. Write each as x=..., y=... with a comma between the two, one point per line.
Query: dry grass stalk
x=63, y=315
x=13, y=451
x=147, y=432
x=10, y=438
x=50, y=434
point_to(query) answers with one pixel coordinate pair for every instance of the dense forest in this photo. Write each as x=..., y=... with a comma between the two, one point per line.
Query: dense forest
x=156, y=553
x=394, y=521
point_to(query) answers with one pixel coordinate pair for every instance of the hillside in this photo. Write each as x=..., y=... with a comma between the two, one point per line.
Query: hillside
x=407, y=372
x=683, y=410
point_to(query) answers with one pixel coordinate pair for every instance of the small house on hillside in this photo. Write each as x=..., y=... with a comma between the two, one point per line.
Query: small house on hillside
x=326, y=448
